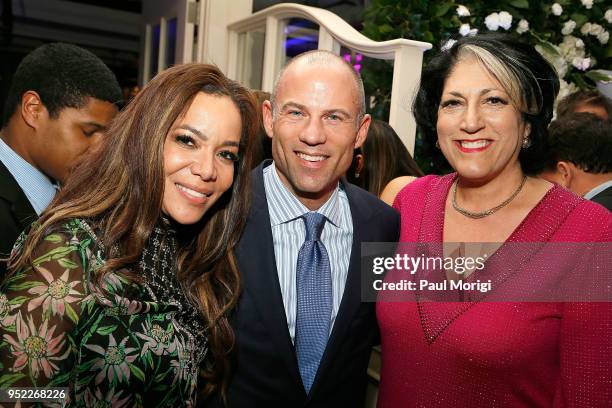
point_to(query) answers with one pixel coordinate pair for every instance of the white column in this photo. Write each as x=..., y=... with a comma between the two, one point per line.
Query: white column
x=406, y=78
x=327, y=42
x=213, y=38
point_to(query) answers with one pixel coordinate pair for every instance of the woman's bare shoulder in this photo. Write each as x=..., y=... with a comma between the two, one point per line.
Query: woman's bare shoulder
x=395, y=186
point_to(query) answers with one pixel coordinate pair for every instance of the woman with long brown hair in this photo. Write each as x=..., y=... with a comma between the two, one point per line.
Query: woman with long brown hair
x=122, y=290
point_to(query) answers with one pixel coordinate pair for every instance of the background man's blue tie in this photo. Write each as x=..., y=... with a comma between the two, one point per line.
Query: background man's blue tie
x=314, y=300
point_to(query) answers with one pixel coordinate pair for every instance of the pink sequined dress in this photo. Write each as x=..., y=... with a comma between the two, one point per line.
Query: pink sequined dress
x=486, y=354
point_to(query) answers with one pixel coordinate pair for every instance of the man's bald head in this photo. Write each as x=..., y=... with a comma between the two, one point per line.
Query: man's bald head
x=325, y=60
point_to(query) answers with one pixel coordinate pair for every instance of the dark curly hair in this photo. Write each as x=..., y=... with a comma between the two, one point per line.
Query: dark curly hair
x=529, y=76
x=64, y=76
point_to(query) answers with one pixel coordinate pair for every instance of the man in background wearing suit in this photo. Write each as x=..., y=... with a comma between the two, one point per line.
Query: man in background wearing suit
x=303, y=335
x=581, y=146
x=61, y=99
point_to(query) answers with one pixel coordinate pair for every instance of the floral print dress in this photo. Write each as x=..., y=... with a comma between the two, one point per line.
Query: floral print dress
x=136, y=345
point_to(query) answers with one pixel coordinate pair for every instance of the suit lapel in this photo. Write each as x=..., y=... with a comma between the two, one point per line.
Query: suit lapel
x=258, y=267
x=21, y=210
x=351, y=298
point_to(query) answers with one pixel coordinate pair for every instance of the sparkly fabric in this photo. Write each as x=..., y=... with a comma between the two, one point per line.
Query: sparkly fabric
x=483, y=354
x=314, y=300
x=158, y=265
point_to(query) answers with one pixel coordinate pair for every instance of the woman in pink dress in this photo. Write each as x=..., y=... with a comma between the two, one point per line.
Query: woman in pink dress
x=487, y=101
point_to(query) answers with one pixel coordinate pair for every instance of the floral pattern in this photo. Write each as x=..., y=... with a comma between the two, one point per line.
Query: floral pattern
x=116, y=347
x=114, y=366
x=35, y=347
x=57, y=293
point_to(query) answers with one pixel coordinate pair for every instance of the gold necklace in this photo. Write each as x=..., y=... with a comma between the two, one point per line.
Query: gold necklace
x=485, y=213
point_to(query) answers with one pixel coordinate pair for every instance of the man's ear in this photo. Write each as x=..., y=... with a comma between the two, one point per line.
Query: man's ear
x=266, y=112
x=362, y=131
x=32, y=109
x=566, y=173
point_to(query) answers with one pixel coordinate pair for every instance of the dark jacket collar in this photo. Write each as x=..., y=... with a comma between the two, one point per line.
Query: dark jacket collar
x=20, y=206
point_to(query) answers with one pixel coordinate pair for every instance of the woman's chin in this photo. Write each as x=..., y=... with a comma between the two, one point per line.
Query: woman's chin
x=182, y=218
x=475, y=173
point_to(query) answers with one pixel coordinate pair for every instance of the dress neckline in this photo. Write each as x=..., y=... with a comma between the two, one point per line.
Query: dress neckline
x=435, y=316
x=515, y=236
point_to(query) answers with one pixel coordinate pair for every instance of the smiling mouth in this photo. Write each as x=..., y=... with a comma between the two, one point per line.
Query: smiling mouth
x=470, y=146
x=192, y=193
x=311, y=158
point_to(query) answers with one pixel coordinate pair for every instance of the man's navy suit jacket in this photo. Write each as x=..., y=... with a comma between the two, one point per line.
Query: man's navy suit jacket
x=266, y=373
x=604, y=198
x=16, y=214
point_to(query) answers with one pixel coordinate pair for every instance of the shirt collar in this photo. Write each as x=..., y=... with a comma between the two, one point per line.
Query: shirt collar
x=288, y=206
x=37, y=187
x=598, y=189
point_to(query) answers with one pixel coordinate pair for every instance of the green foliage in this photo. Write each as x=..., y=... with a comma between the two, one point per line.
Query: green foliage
x=435, y=22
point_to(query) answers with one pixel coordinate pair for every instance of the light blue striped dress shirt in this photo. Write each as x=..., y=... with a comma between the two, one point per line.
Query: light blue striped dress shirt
x=289, y=233
x=37, y=187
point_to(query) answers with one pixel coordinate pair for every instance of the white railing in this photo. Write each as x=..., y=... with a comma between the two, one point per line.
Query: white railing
x=334, y=33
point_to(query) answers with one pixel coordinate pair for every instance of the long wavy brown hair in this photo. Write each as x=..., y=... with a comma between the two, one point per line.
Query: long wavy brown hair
x=120, y=185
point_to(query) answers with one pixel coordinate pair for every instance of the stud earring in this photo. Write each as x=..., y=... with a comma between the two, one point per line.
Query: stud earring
x=526, y=143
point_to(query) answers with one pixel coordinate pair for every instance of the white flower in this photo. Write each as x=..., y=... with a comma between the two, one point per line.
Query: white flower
x=463, y=11
x=557, y=9
x=569, y=48
x=581, y=63
x=505, y=20
x=473, y=32
x=492, y=21
x=560, y=66
x=596, y=29
x=586, y=28
x=568, y=27
x=523, y=26
x=579, y=43
x=448, y=45
x=564, y=90
x=587, y=3
x=464, y=29
x=608, y=16
x=554, y=58
x=604, y=37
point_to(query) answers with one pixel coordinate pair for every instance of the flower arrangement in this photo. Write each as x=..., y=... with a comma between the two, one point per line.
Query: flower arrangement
x=574, y=35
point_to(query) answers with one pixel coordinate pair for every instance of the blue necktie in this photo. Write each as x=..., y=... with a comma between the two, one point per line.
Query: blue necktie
x=314, y=300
